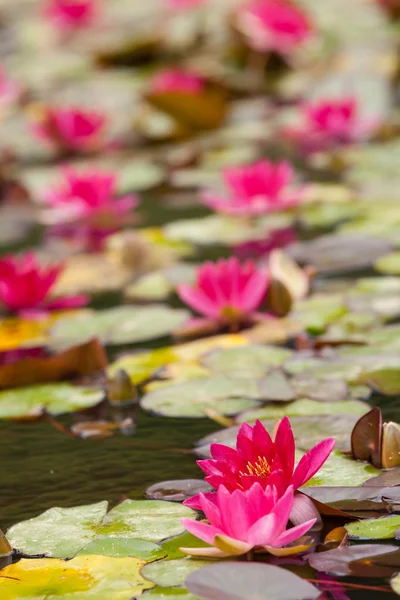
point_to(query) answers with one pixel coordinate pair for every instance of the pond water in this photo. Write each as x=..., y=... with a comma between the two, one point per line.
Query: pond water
x=42, y=464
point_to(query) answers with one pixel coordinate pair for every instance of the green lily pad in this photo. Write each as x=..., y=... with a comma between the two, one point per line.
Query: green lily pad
x=58, y=532
x=54, y=398
x=151, y=286
x=385, y=381
x=169, y=593
x=341, y=470
x=228, y=396
x=167, y=573
x=186, y=540
x=245, y=361
x=220, y=229
x=317, y=312
x=122, y=548
x=63, y=532
x=374, y=529
x=389, y=264
x=121, y=325
x=84, y=577
x=141, y=366
x=303, y=407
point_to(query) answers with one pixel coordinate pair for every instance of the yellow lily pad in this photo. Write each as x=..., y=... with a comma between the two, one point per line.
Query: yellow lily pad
x=84, y=577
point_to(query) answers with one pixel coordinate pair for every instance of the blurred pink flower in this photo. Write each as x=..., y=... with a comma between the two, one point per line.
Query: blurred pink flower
x=25, y=286
x=245, y=519
x=176, y=80
x=329, y=123
x=277, y=238
x=183, y=4
x=87, y=202
x=274, y=25
x=255, y=190
x=227, y=292
x=258, y=458
x=10, y=90
x=68, y=15
x=70, y=129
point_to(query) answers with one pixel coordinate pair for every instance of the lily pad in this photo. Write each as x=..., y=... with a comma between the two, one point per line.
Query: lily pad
x=228, y=396
x=248, y=361
x=340, y=470
x=121, y=325
x=337, y=561
x=241, y=581
x=220, y=229
x=178, y=490
x=389, y=264
x=64, y=532
x=167, y=573
x=86, y=577
x=141, y=366
x=55, y=398
x=303, y=407
x=385, y=381
x=340, y=253
x=123, y=548
x=374, y=529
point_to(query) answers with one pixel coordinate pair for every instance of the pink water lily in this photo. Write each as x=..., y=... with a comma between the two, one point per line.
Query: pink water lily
x=70, y=129
x=25, y=287
x=176, y=80
x=84, y=206
x=244, y=520
x=260, y=459
x=227, y=292
x=255, y=190
x=329, y=123
x=68, y=15
x=274, y=25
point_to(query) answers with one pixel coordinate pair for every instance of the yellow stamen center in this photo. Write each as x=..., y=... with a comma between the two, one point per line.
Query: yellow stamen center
x=260, y=468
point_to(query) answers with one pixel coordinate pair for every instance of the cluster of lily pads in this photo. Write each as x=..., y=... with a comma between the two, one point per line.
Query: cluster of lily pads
x=230, y=204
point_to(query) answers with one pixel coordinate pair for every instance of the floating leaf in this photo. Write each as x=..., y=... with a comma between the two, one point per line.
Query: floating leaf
x=177, y=490
x=205, y=110
x=374, y=529
x=63, y=532
x=121, y=325
x=303, y=407
x=169, y=593
x=338, y=561
x=341, y=470
x=77, y=361
x=58, y=532
x=55, y=398
x=141, y=366
x=99, y=577
x=250, y=361
x=221, y=229
x=340, y=253
x=241, y=581
x=92, y=274
x=385, y=381
x=122, y=548
x=276, y=387
x=229, y=396
x=168, y=573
